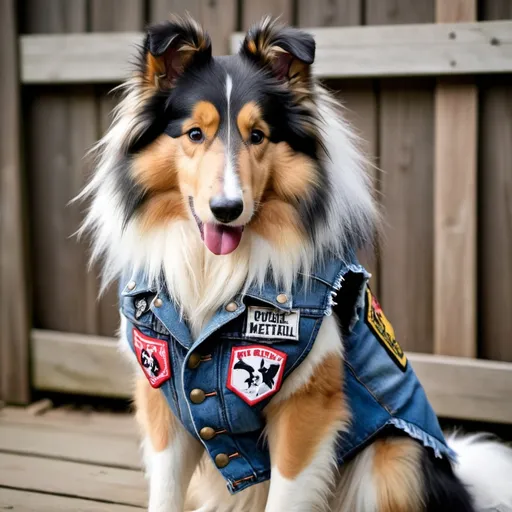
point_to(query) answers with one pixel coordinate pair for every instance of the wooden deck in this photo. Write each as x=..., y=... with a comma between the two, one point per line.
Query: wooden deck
x=57, y=459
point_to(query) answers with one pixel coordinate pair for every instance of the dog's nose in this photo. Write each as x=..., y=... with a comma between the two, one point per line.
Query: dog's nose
x=226, y=210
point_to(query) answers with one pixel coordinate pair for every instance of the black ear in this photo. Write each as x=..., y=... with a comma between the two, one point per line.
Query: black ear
x=286, y=52
x=171, y=47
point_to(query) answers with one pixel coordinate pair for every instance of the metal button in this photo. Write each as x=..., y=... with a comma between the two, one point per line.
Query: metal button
x=197, y=396
x=221, y=460
x=158, y=303
x=231, y=307
x=131, y=285
x=282, y=298
x=194, y=361
x=207, y=433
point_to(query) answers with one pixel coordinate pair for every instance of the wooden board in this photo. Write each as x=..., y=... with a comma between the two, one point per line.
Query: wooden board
x=65, y=441
x=329, y=13
x=455, y=203
x=464, y=388
x=14, y=316
x=61, y=127
x=411, y=50
x=219, y=17
x=82, y=365
x=79, y=364
x=495, y=207
x=23, y=501
x=74, y=479
x=406, y=160
x=253, y=12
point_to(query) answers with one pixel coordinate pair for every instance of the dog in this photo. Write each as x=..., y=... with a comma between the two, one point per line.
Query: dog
x=231, y=194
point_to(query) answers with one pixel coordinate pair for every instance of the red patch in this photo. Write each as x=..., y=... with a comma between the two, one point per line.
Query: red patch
x=153, y=357
x=255, y=372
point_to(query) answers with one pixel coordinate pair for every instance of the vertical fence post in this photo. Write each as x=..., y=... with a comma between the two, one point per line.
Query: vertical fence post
x=14, y=321
x=455, y=177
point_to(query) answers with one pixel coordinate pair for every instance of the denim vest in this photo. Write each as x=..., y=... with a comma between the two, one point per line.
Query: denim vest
x=219, y=383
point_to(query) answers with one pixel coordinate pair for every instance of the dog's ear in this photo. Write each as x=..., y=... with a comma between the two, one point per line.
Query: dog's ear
x=170, y=48
x=286, y=52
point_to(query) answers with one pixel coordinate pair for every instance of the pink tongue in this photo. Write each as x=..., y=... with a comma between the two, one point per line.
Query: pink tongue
x=222, y=239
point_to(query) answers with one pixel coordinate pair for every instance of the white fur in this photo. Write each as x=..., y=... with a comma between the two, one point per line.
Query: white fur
x=232, y=189
x=485, y=467
x=355, y=490
x=311, y=490
x=169, y=471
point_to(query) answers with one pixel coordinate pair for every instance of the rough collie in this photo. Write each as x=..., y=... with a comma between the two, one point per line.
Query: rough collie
x=229, y=199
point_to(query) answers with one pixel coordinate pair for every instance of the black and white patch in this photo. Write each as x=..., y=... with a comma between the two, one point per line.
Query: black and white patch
x=255, y=372
x=272, y=324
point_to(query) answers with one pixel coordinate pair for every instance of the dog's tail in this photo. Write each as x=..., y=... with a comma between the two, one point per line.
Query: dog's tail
x=485, y=468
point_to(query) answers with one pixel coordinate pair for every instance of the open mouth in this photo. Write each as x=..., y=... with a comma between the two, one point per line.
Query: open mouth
x=219, y=238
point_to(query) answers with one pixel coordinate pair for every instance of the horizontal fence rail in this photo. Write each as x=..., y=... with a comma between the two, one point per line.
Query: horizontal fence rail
x=457, y=387
x=348, y=52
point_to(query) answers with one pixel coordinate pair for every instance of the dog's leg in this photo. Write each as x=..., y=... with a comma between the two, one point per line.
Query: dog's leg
x=170, y=452
x=303, y=428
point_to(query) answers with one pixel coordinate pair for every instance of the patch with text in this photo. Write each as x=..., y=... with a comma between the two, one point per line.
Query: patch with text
x=383, y=330
x=270, y=323
x=153, y=357
x=255, y=372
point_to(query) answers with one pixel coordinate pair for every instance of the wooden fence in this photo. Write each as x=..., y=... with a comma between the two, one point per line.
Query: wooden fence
x=427, y=83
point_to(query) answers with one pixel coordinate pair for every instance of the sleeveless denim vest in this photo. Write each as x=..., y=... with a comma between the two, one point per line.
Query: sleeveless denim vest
x=219, y=384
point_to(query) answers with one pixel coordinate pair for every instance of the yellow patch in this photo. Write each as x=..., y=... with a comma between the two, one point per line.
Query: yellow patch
x=382, y=328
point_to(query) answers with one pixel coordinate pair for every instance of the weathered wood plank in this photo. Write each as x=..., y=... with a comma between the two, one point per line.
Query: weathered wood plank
x=495, y=206
x=73, y=421
x=464, y=388
x=329, y=13
x=60, y=440
x=113, y=485
x=405, y=147
x=411, y=50
x=62, y=126
x=23, y=501
x=481, y=387
x=253, y=12
x=79, y=364
x=14, y=316
x=219, y=18
x=455, y=180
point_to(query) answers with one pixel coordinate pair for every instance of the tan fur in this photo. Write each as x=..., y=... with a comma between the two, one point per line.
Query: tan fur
x=297, y=426
x=155, y=166
x=204, y=116
x=292, y=173
x=396, y=472
x=250, y=118
x=153, y=414
x=278, y=222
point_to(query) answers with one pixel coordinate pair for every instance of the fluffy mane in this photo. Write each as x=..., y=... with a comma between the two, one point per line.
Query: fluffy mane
x=198, y=280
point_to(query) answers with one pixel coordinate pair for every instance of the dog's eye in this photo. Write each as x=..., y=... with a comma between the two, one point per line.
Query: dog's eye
x=196, y=135
x=256, y=137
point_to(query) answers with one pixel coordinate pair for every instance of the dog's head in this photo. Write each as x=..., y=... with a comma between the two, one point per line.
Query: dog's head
x=228, y=141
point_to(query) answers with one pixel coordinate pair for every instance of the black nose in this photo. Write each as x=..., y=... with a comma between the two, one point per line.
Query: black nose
x=226, y=210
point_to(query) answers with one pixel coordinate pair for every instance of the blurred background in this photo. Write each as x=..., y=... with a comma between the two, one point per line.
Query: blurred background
x=432, y=103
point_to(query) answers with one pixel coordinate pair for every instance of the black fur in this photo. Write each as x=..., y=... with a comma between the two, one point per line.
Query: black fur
x=444, y=492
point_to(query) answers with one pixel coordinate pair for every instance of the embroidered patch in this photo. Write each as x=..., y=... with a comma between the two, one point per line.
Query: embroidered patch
x=153, y=357
x=381, y=327
x=255, y=372
x=270, y=323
